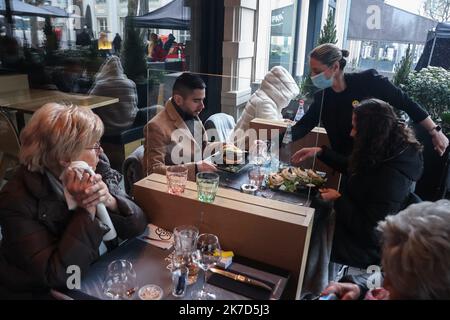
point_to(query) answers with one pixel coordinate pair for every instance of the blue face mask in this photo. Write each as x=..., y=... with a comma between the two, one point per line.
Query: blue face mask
x=321, y=81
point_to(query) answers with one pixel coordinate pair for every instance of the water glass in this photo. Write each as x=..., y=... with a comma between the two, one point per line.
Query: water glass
x=185, y=243
x=120, y=280
x=179, y=281
x=256, y=177
x=207, y=186
x=176, y=179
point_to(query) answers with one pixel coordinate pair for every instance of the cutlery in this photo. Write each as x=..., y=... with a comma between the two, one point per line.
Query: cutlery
x=241, y=278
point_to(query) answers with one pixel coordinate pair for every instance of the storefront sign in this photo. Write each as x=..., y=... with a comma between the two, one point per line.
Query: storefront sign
x=282, y=21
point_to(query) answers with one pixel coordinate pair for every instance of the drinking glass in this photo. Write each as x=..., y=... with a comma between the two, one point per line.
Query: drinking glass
x=206, y=255
x=185, y=244
x=256, y=177
x=120, y=280
x=207, y=186
x=258, y=152
x=176, y=179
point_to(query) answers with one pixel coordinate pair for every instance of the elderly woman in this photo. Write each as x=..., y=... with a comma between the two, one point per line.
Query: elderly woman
x=416, y=257
x=41, y=236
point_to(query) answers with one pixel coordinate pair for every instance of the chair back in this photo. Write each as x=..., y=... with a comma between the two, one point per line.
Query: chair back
x=219, y=126
x=9, y=144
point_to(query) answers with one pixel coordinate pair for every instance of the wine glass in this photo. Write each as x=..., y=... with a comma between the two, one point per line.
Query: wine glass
x=206, y=255
x=258, y=153
x=120, y=280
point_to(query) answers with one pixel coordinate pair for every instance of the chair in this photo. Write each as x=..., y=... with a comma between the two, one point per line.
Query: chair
x=132, y=169
x=9, y=145
x=219, y=126
x=435, y=180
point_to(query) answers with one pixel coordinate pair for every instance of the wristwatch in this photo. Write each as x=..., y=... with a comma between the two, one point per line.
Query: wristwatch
x=437, y=128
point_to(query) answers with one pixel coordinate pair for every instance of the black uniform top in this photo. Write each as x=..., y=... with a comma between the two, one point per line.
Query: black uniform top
x=337, y=108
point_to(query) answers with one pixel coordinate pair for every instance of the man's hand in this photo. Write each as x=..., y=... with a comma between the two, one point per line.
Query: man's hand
x=345, y=291
x=329, y=194
x=304, y=154
x=440, y=142
x=204, y=166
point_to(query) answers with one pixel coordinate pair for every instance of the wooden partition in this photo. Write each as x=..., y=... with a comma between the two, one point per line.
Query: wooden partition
x=264, y=230
x=316, y=138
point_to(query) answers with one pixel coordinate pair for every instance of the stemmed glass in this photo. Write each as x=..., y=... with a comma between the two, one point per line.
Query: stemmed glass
x=206, y=255
x=259, y=156
x=120, y=280
x=258, y=153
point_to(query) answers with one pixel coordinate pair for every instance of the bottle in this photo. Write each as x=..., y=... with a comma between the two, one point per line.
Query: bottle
x=285, y=149
x=300, y=111
x=179, y=54
x=287, y=138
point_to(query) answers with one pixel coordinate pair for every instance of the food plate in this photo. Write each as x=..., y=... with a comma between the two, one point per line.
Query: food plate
x=234, y=160
x=294, y=179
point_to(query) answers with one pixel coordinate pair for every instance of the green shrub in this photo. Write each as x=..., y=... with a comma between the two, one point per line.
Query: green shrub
x=430, y=87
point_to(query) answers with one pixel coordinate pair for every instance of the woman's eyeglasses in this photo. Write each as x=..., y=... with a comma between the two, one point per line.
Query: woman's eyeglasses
x=96, y=147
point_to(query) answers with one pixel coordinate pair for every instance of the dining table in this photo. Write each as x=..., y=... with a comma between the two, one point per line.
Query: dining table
x=27, y=101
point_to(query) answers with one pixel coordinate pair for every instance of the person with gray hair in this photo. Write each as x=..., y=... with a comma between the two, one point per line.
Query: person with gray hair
x=339, y=93
x=43, y=233
x=416, y=257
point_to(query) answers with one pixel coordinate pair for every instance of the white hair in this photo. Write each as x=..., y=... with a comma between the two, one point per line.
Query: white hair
x=416, y=250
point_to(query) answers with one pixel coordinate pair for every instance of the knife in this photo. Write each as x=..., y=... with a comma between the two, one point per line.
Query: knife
x=241, y=278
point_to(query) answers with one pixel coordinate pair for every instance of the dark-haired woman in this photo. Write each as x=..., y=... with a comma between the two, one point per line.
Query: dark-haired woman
x=385, y=162
x=341, y=92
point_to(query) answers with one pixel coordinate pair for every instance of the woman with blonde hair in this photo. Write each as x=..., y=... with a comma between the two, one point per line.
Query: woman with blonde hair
x=49, y=211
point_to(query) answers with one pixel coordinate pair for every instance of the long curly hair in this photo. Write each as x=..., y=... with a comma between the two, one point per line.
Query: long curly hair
x=380, y=135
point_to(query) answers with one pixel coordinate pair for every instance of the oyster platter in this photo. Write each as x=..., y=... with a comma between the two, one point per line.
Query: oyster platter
x=295, y=179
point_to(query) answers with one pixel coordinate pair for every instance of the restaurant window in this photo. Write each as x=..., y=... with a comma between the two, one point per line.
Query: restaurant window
x=282, y=34
x=332, y=8
x=102, y=24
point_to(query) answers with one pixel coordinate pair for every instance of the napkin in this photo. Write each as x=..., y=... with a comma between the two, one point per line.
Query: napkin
x=158, y=237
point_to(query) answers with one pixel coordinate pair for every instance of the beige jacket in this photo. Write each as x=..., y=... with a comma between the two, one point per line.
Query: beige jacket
x=168, y=141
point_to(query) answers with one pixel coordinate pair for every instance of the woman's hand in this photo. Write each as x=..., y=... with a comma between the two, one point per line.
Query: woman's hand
x=329, y=194
x=304, y=154
x=76, y=186
x=345, y=291
x=98, y=192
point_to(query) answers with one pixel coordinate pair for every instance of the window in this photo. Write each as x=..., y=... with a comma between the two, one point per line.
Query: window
x=282, y=34
x=102, y=24
x=100, y=1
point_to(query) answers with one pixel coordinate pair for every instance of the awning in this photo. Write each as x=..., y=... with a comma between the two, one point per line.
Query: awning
x=377, y=21
x=443, y=30
x=437, y=48
x=58, y=12
x=19, y=8
x=174, y=16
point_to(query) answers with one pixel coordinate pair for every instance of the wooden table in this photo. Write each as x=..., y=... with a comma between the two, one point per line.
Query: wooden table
x=29, y=100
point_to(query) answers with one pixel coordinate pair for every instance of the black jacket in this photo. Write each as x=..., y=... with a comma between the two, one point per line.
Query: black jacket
x=336, y=114
x=367, y=199
x=41, y=237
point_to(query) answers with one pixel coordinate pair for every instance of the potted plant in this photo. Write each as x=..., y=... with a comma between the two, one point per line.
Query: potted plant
x=430, y=87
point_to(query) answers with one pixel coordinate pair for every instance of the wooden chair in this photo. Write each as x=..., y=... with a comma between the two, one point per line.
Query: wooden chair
x=9, y=144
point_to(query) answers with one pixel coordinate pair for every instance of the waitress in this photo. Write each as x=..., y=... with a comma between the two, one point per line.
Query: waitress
x=340, y=92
